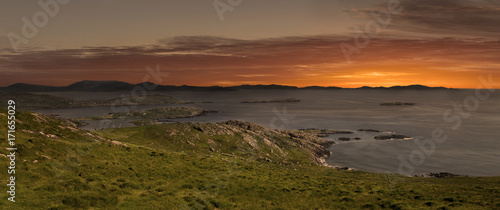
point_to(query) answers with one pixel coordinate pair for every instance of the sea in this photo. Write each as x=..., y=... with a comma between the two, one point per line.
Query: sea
x=455, y=131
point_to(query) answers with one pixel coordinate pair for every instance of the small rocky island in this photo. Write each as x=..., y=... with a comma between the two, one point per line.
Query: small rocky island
x=370, y=130
x=286, y=100
x=391, y=137
x=328, y=132
x=324, y=132
x=397, y=104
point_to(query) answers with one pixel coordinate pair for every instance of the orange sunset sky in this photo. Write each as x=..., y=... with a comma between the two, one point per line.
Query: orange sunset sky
x=294, y=42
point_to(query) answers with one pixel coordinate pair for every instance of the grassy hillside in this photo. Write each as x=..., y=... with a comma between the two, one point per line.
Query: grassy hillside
x=230, y=165
x=238, y=139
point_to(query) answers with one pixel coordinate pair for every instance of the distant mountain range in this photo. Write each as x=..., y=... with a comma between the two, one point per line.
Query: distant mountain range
x=109, y=86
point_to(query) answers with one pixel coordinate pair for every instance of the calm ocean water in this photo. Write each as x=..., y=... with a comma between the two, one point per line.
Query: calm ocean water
x=471, y=148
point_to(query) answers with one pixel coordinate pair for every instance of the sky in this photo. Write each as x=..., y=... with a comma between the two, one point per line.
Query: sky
x=345, y=43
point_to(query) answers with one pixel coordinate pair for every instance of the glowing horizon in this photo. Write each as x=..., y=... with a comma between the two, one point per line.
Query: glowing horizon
x=421, y=43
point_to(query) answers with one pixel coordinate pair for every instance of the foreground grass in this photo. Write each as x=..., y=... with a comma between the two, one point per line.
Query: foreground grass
x=86, y=170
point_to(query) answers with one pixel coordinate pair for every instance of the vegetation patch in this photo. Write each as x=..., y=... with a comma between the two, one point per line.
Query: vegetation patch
x=228, y=165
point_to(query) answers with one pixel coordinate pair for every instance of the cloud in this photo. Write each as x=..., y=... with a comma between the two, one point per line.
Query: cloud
x=4, y=42
x=474, y=18
x=450, y=17
x=205, y=60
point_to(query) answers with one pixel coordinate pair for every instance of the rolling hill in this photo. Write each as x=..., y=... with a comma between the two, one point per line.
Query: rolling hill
x=107, y=86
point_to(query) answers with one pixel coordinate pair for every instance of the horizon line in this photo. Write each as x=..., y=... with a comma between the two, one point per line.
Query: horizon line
x=244, y=84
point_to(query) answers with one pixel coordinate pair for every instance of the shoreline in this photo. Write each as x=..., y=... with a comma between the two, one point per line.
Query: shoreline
x=429, y=174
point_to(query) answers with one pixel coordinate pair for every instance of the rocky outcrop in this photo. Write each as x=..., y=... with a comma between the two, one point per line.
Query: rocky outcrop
x=259, y=140
x=370, y=130
x=442, y=175
x=390, y=137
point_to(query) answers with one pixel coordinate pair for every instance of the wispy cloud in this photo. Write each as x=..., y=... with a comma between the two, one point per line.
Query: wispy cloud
x=473, y=18
x=205, y=60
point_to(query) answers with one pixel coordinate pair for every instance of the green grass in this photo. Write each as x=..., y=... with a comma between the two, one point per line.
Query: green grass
x=159, y=169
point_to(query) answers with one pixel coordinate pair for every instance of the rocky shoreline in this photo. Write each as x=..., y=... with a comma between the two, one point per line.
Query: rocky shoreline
x=325, y=133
